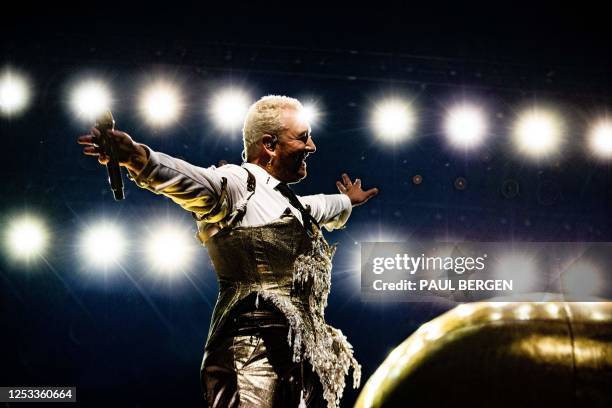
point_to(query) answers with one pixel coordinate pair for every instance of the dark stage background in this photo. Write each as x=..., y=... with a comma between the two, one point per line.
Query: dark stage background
x=135, y=339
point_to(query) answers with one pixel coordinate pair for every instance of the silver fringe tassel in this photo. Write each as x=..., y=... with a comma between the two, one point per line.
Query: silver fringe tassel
x=326, y=348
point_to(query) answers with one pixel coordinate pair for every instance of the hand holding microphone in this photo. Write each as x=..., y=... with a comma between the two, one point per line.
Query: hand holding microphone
x=104, y=124
x=113, y=149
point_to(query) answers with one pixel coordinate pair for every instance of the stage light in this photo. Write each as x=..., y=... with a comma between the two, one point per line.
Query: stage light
x=103, y=245
x=465, y=126
x=229, y=109
x=393, y=120
x=26, y=238
x=170, y=249
x=600, y=139
x=537, y=133
x=352, y=258
x=521, y=269
x=89, y=99
x=161, y=104
x=310, y=113
x=14, y=93
x=582, y=279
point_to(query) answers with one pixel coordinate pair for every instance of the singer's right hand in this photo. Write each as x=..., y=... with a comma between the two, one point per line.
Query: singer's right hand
x=130, y=154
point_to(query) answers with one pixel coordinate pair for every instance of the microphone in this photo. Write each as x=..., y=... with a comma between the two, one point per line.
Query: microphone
x=104, y=123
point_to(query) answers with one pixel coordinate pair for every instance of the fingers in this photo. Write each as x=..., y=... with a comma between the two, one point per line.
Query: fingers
x=371, y=192
x=86, y=140
x=341, y=187
x=91, y=142
x=91, y=151
x=91, y=138
x=346, y=180
x=95, y=151
x=119, y=136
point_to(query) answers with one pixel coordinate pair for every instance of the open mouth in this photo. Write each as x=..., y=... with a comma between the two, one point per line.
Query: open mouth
x=303, y=161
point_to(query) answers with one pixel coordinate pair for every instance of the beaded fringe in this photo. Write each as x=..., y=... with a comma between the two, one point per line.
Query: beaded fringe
x=326, y=348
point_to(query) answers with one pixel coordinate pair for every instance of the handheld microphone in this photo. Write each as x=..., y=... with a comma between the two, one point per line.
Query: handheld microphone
x=105, y=123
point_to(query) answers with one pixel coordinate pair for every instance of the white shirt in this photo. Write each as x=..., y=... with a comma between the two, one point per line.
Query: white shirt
x=197, y=189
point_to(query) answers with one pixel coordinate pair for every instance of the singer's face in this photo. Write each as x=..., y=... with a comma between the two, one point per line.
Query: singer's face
x=293, y=147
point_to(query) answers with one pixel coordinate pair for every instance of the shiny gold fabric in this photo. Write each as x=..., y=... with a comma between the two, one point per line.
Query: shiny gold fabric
x=288, y=270
x=252, y=366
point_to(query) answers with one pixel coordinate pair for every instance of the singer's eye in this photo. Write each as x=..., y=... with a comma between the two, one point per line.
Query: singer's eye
x=304, y=137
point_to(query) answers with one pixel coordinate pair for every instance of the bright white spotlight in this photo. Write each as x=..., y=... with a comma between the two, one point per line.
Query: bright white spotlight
x=14, y=93
x=310, y=113
x=160, y=103
x=89, y=99
x=601, y=139
x=538, y=133
x=465, y=126
x=393, y=120
x=170, y=249
x=582, y=279
x=27, y=237
x=229, y=109
x=521, y=269
x=103, y=245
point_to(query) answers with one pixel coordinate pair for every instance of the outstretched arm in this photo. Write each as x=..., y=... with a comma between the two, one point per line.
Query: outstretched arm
x=354, y=191
x=194, y=188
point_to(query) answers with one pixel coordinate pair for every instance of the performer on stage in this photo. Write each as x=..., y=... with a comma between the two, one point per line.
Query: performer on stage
x=268, y=343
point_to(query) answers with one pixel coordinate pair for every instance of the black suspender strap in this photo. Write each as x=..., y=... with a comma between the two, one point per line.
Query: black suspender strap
x=308, y=220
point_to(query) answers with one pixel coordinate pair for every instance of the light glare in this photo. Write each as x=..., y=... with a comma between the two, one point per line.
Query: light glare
x=537, y=133
x=14, y=93
x=229, y=109
x=161, y=104
x=103, y=244
x=465, y=126
x=170, y=249
x=27, y=237
x=521, y=269
x=601, y=139
x=393, y=120
x=90, y=99
x=310, y=113
x=582, y=279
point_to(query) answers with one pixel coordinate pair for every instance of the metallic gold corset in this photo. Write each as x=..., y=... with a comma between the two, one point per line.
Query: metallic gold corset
x=290, y=271
x=253, y=259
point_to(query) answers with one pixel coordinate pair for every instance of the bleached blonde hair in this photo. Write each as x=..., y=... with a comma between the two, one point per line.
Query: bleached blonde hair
x=264, y=117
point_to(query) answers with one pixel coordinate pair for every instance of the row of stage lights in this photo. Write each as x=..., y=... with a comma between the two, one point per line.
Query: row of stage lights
x=103, y=245
x=170, y=249
x=537, y=132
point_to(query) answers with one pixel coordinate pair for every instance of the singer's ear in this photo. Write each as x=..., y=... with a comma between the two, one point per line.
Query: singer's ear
x=269, y=141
